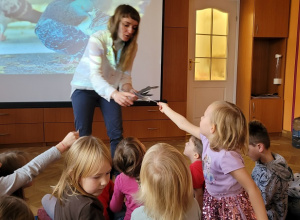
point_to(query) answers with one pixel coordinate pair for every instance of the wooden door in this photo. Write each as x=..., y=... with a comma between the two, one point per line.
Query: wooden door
x=213, y=54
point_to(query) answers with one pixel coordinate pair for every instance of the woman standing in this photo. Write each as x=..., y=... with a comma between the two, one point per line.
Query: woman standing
x=103, y=78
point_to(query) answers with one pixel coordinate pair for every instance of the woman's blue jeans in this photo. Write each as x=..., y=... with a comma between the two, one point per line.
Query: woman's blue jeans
x=84, y=103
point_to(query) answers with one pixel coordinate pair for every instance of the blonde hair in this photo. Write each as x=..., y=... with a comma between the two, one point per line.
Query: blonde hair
x=85, y=157
x=11, y=161
x=231, y=126
x=14, y=208
x=166, y=184
x=129, y=156
x=129, y=50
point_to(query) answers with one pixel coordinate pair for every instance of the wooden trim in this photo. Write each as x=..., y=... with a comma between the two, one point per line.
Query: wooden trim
x=295, y=71
x=287, y=134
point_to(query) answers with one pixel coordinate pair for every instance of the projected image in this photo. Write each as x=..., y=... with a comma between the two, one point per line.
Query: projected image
x=50, y=36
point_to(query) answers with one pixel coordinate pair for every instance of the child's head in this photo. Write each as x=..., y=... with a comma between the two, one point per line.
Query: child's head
x=166, y=184
x=87, y=168
x=14, y=208
x=129, y=156
x=258, y=135
x=193, y=148
x=225, y=125
x=11, y=161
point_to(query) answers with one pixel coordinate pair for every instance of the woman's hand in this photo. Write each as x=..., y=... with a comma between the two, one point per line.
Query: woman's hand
x=128, y=88
x=135, y=97
x=123, y=98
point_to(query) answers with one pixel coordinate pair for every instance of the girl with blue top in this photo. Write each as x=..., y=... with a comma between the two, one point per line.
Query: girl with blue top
x=230, y=192
x=103, y=78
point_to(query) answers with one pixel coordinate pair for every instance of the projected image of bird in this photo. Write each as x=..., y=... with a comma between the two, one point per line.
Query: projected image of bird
x=65, y=25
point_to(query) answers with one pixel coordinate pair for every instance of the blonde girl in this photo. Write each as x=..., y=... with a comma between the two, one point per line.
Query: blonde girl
x=85, y=174
x=166, y=190
x=230, y=191
x=127, y=160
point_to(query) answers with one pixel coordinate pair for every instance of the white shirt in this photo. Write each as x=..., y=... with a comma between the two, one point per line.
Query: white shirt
x=98, y=69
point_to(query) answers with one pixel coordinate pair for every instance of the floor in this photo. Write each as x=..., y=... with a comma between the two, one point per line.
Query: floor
x=42, y=183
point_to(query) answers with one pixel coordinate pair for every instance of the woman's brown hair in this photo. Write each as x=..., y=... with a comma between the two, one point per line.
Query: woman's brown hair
x=129, y=50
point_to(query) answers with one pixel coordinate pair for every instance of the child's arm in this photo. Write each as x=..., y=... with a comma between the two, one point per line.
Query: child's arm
x=117, y=200
x=242, y=176
x=199, y=197
x=179, y=120
x=25, y=174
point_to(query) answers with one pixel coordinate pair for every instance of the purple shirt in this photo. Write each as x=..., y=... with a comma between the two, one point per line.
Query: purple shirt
x=125, y=186
x=217, y=167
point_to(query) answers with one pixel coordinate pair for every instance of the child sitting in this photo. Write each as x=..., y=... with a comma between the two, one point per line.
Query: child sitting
x=271, y=172
x=49, y=201
x=229, y=192
x=85, y=174
x=128, y=160
x=166, y=190
x=16, y=173
x=14, y=208
x=193, y=150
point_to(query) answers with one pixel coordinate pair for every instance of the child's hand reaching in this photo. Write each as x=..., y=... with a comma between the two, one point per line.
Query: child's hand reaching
x=67, y=142
x=162, y=106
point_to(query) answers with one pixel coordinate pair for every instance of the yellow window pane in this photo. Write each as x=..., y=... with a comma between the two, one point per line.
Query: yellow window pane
x=218, y=69
x=203, y=21
x=219, y=46
x=220, y=22
x=202, y=69
x=203, y=43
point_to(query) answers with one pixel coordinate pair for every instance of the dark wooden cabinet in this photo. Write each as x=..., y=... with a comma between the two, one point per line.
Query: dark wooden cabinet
x=21, y=126
x=269, y=111
x=138, y=121
x=271, y=18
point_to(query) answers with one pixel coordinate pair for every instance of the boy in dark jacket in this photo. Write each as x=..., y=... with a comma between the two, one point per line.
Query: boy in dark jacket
x=271, y=172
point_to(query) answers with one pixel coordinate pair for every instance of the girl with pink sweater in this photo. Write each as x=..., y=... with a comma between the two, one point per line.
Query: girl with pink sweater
x=128, y=160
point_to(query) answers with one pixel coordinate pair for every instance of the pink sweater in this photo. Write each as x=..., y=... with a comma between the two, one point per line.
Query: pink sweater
x=125, y=187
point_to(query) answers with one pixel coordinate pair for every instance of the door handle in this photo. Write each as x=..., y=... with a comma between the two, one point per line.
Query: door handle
x=191, y=63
